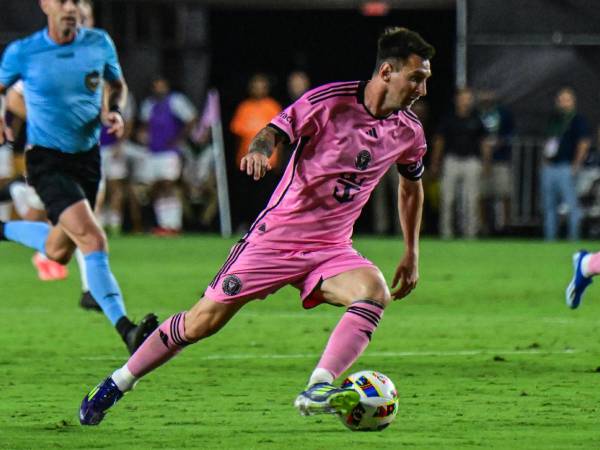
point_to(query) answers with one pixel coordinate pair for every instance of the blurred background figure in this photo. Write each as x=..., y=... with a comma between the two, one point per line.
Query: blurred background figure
x=566, y=148
x=298, y=82
x=459, y=144
x=199, y=172
x=498, y=177
x=167, y=119
x=6, y=174
x=384, y=200
x=251, y=115
x=117, y=163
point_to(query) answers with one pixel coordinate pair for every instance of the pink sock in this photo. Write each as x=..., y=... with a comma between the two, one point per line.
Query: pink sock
x=593, y=264
x=164, y=343
x=350, y=337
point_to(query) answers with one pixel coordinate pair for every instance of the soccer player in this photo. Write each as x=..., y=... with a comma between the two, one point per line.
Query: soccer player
x=347, y=135
x=585, y=266
x=63, y=68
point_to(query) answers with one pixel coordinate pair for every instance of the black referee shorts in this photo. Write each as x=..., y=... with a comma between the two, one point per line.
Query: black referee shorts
x=63, y=179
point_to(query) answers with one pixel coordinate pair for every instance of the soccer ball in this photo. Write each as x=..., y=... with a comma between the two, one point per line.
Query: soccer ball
x=378, y=404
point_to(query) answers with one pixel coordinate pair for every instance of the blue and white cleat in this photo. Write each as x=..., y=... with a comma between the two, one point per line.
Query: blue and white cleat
x=324, y=398
x=578, y=283
x=97, y=401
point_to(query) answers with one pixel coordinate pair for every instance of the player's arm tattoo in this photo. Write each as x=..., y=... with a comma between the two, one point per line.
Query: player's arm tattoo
x=265, y=141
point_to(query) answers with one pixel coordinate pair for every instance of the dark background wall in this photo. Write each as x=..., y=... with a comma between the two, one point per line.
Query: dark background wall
x=198, y=46
x=528, y=50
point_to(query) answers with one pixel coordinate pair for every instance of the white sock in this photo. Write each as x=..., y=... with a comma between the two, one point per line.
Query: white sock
x=584, y=266
x=169, y=211
x=18, y=193
x=124, y=379
x=320, y=376
x=82, y=272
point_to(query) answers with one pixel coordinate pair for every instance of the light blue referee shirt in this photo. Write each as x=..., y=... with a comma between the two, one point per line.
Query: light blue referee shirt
x=62, y=86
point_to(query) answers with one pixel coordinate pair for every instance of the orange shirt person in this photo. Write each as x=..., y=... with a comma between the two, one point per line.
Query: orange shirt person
x=252, y=115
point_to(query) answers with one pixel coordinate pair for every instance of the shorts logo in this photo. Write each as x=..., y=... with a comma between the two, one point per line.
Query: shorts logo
x=232, y=285
x=362, y=160
x=92, y=80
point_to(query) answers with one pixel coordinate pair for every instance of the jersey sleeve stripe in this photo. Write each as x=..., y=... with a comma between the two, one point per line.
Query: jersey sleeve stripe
x=349, y=85
x=335, y=94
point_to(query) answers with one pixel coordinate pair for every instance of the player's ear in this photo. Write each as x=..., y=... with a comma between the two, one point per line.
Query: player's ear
x=385, y=71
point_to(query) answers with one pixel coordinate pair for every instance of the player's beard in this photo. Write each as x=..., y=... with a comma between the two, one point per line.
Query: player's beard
x=68, y=28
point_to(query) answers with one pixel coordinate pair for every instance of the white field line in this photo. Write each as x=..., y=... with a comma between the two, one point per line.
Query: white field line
x=232, y=357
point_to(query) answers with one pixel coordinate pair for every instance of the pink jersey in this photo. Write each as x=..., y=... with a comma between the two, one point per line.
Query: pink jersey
x=341, y=153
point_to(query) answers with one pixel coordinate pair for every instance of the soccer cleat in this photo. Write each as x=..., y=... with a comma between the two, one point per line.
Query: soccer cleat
x=137, y=335
x=97, y=401
x=47, y=269
x=324, y=398
x=87, y=301
x=578, y=283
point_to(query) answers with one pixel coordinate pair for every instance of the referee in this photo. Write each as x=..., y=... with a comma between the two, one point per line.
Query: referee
x=64, y=68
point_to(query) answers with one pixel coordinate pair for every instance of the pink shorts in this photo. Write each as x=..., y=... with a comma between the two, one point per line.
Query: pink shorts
x=252, y=271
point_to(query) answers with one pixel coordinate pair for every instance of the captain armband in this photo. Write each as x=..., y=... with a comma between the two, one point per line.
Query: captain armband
x=413, y=171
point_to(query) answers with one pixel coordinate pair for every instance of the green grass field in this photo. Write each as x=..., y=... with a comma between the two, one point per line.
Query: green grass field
x=484, y=354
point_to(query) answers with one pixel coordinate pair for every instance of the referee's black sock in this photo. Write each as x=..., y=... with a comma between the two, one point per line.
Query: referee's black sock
x=2, y=238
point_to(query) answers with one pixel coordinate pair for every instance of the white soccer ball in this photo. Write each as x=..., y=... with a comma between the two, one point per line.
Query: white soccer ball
x=378, y=401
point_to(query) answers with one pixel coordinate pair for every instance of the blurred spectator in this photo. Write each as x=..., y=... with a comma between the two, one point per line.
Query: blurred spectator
x=298, y=83
x=384, y=200
x=460, y=141
x=6, y=173
x=497, y=179
x=119, y=156
x=167, y=118
x=566, y=148
x=250, y=116
x=199, y=170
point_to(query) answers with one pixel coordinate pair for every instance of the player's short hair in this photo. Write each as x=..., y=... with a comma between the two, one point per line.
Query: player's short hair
x=399, y=43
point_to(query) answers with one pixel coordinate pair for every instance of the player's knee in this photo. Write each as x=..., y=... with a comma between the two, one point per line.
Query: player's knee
x=93, y=241
x=373, y=289
x=382, y=297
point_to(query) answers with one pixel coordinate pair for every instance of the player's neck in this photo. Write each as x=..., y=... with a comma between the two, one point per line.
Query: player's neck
x=375, y=100
x=61, y=37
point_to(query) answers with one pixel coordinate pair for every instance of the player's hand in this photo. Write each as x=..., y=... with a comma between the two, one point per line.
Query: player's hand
x=406, y=277
x=255, y=165
x=115, y=124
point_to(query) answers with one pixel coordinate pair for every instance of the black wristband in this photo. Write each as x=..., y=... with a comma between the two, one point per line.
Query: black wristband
x=115, y=108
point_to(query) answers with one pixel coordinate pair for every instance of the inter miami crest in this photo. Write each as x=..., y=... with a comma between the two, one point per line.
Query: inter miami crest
x=92, y=80
x=362, y=160
x=232, y=285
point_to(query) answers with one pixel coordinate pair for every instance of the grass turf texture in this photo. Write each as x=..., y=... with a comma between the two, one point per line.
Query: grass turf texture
x=484, y=355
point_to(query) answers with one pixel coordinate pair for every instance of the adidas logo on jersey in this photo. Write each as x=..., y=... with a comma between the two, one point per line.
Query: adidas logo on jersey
x=372, y=132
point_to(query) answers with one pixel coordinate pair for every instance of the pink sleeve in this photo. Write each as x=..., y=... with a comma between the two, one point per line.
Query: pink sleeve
x=417, y=151
x=299, y=119
x=410, y=165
